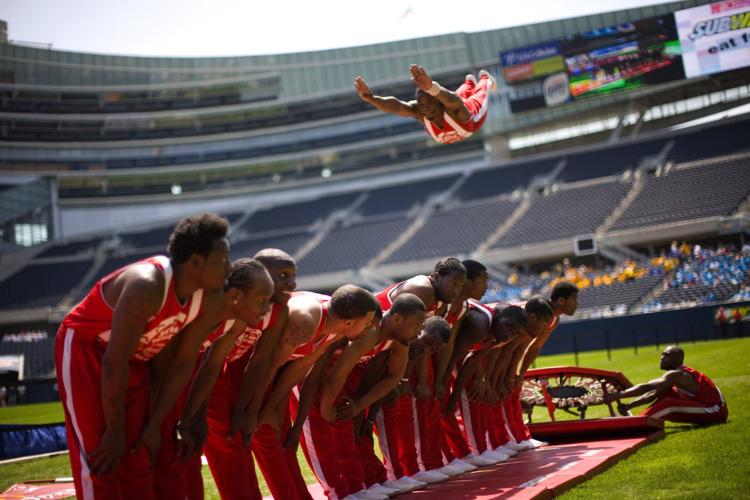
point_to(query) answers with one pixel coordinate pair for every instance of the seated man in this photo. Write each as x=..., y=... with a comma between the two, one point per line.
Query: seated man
x=683, y=394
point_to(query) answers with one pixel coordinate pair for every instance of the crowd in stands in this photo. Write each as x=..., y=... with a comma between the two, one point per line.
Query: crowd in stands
x=693, y=275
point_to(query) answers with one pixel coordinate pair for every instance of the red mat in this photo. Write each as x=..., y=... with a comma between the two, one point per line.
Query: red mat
x=603, y=428
x=541, y=473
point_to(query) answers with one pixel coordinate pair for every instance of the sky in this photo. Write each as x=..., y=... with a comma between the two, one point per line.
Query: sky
x=250, y=27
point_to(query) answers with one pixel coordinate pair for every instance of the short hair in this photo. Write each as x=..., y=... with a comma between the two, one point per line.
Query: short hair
x=272, y=256
x=515, y=313
x=196, y=235
x=448, y=266
x=473, y=268
x=563, y=290
x=245, y=274
x=539, y=306
x=352, y=302
x=407, y=303
x=436, y=325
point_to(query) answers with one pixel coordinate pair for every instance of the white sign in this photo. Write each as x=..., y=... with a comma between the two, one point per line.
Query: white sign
x=714, y=37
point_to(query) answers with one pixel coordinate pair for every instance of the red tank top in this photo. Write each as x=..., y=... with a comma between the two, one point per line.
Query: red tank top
x=454, y=317
x=707, y=393
x=387, y=296
x=487, y=311
x=217, y=333
x=92, y=317
x=308, y=347
x=247, y=340
x=451, y=132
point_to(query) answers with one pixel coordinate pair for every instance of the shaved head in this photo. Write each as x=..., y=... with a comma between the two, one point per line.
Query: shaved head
x=672, y=357
x=274, y=257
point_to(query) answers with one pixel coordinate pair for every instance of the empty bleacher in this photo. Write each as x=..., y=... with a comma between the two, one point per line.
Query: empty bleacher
x=455, y=231
x=498, y=180
x=38, y=285
x=610, y=161
x=566, y=212
x=70, y=248
x=38, y=352
x=297, y=216
x=403, y=197
x=352, y=246
x=620, y=294
x=290, y=243
x=694, y=192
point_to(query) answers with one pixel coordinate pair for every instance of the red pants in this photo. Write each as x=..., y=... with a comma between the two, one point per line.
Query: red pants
x=232, y=463
x=474, y=417
x=79, y=373
x=330, y=447
x=454, y=443
x=514, y=416
x=475, y=100
x=428, y=434
x=677, y=408
x=373, y=469
x=395, y=427
x=175, y=478
x=496, y=432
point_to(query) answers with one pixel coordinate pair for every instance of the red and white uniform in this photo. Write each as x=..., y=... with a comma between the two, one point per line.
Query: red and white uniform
x=475, y=99
x=231, y=463
x=474, y=415
x=175, y=478
x=512, y=405
x=387, y=296
x=706, y=406
x=342, y=464
x=79, y=347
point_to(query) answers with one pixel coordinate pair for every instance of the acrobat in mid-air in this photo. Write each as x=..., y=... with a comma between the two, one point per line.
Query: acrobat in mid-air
x=446, y=115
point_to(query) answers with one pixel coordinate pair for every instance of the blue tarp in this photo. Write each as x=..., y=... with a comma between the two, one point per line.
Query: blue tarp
x=24, y=440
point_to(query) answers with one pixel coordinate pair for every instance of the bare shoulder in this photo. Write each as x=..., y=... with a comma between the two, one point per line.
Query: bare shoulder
x=140, y=289
x=424, y=291
x=300, y=326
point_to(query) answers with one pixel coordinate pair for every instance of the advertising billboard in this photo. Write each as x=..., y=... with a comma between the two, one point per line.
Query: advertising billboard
x=714, y=37
x=623, y=57
x=610, y=59
x=536, y=75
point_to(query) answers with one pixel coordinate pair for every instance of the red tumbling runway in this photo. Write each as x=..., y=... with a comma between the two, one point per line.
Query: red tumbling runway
x=548, y=471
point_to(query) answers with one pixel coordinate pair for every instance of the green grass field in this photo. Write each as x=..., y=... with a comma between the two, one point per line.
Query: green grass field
x=689, y=463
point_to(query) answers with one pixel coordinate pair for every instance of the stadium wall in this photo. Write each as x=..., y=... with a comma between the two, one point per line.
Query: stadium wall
x=659, y=328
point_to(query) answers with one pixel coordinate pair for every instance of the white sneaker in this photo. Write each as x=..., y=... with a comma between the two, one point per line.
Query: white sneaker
x=478, y=461
x=451, y=470
x=496, y=457
x=514, y=445
x=505, y=451
x=485, y=73
x=383, y=490
x=430, y=477
x=464, y=466
x=535, y=443
x=365, y=495
x=404, y=484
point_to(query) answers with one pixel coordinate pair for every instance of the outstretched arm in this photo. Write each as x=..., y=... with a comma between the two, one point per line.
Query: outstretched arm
x=388, y=104
x=649, y=391
x=448, y=98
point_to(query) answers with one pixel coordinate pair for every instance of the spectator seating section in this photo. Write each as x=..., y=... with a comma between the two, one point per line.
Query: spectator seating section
x=69, y=248
x=624, y=293
x=38, y=285
x=297, y=215
x=499, y=180
x=351, y=247
x=689, y=193
x=290, y=243
x=39, y=360
x=455, y=231
x=610, y=161
x=570, y=211
x=401, y=198
x=711, y=142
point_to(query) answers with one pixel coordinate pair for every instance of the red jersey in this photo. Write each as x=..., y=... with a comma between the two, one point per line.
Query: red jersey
x=707, y=393
x=217, y=333
x=387, y=296
x=92, y=317
x=247, y=340
x=308, y=347
x=487, y=311
x=454, y=317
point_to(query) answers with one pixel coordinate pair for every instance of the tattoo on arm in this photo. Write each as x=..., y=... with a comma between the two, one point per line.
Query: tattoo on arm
x=299, y=330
